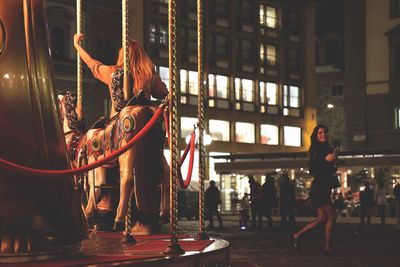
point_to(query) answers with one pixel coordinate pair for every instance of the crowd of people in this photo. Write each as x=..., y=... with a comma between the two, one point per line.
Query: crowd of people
x=323, y=195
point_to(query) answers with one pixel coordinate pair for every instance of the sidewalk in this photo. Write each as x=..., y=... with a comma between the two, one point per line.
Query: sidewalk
x=340, y=219
x=269, y=246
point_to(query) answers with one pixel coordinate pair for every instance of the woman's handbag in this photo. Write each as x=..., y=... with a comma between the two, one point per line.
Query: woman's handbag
x=334, y=181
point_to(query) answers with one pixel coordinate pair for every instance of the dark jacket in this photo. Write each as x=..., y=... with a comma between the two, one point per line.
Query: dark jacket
x=367, y=197
x=396, y=192
x=212, y=197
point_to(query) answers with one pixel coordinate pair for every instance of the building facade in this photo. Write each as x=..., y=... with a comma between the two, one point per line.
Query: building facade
x=259, y=68
x=372, y=93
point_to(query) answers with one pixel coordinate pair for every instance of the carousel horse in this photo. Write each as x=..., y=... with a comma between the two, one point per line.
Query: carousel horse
x=142, y=168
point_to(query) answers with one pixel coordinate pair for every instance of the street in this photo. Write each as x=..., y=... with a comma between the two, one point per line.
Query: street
x=377, y=246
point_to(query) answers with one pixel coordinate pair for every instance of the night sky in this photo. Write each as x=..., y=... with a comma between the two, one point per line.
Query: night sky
x=329, y=17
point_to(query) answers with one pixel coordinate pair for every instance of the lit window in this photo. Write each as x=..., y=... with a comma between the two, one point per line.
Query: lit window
x=292, y=136
x=153, y=33
x=244, y=89
x=244, y=132
x=268, y=16
x=271, y=17
x=187, y=126
x=291, y=96
x=163, y=38
x=217, y=86
x=271, y=55
x=219, y=130
x=164, y=75
x=268, y=93
x=269, y=134
x=189, y=82
x=262, y=52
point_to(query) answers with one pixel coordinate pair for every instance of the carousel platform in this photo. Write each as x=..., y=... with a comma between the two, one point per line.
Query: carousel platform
x=105, y=249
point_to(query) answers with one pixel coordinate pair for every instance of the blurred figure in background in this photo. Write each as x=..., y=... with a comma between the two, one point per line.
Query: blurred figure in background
x=366, y=202
x=244, y=212
x=381, y=201
x=396, y=193
x=255, y=202
x=269, y=196
x=287, y=200
x=212, y=200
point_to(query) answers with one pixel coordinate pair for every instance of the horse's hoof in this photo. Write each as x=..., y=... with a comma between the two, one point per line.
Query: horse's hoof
x=118, y=226
x=164, y=219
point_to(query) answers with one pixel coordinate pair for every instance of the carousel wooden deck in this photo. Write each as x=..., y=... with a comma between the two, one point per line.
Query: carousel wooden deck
x=105, y=249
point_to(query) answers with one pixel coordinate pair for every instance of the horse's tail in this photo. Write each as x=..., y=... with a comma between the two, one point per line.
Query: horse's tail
x=148, y=165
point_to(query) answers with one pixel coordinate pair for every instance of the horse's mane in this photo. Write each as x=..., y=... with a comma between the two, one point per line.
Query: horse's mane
x=70, y=113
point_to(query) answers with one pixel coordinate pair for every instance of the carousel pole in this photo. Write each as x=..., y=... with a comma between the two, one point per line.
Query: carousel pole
x=125, y=45
x=200, y=113
x=173, y=247
x=79, y=75
x=128, y=238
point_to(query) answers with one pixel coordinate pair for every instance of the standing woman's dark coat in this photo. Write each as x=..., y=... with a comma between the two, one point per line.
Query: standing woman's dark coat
x=322, y=170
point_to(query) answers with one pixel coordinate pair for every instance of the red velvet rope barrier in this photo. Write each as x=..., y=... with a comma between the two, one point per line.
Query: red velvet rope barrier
x=13, y=167
x=185, y=184
x=190, y=145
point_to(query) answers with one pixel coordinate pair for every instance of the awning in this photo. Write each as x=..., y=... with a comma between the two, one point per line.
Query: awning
x=268, y=165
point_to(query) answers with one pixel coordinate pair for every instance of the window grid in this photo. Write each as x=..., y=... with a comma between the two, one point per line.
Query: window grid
x=268, y=16
x=217, y=86
x=244, y=90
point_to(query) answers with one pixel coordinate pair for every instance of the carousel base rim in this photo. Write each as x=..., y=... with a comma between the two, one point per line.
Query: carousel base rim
x=54, y=253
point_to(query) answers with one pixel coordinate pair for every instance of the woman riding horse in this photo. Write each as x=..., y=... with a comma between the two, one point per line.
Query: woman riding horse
x=144, y=79
x=140, y=167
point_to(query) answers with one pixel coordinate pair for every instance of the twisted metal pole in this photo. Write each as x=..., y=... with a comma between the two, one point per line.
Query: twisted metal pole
x=200, y=118
x=79, y=74
x=128, y=238
x=125, y=45
x=173, y=247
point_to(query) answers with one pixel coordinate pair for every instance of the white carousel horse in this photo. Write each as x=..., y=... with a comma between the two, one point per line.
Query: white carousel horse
x=143, y=168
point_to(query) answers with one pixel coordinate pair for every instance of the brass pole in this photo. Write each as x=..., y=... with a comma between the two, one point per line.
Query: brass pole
x=79, y=79
x=174, y=247
x=125, y=45
x=200, y=118
x=128, y=238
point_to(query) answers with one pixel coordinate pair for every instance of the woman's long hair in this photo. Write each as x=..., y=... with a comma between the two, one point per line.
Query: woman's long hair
x=141, y=66
x=315, y=144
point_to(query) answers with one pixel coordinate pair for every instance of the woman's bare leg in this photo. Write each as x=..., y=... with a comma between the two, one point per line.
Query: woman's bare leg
x=331, y=215
x=321, y=218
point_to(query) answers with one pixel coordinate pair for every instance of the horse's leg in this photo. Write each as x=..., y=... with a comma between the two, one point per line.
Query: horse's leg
x=96, y=178
x=126, y=163
x=164, y=212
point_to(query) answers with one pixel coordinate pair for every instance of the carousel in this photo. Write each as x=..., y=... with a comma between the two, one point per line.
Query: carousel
x=57, y=205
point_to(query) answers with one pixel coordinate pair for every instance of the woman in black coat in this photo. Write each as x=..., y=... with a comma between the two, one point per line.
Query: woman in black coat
x=322, y=167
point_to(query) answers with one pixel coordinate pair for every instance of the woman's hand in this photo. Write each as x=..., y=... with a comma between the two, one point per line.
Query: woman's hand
x=78, y=39
x=330, y=157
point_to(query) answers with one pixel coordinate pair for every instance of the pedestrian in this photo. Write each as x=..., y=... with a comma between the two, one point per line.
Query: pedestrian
x=322, y=160
x=212, y=200
x=396, y=193
x=287, y=200
x=244, y=211
x=269, y=197
x=366, y=202
x=381, y=201
x=255, y=202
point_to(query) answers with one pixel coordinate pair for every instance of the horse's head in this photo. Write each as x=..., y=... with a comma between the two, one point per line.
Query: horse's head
x=68, y=104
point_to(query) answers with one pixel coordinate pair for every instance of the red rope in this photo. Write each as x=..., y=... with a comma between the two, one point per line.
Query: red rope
x=190, y=145
x=16, y=168
x=185, y=184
